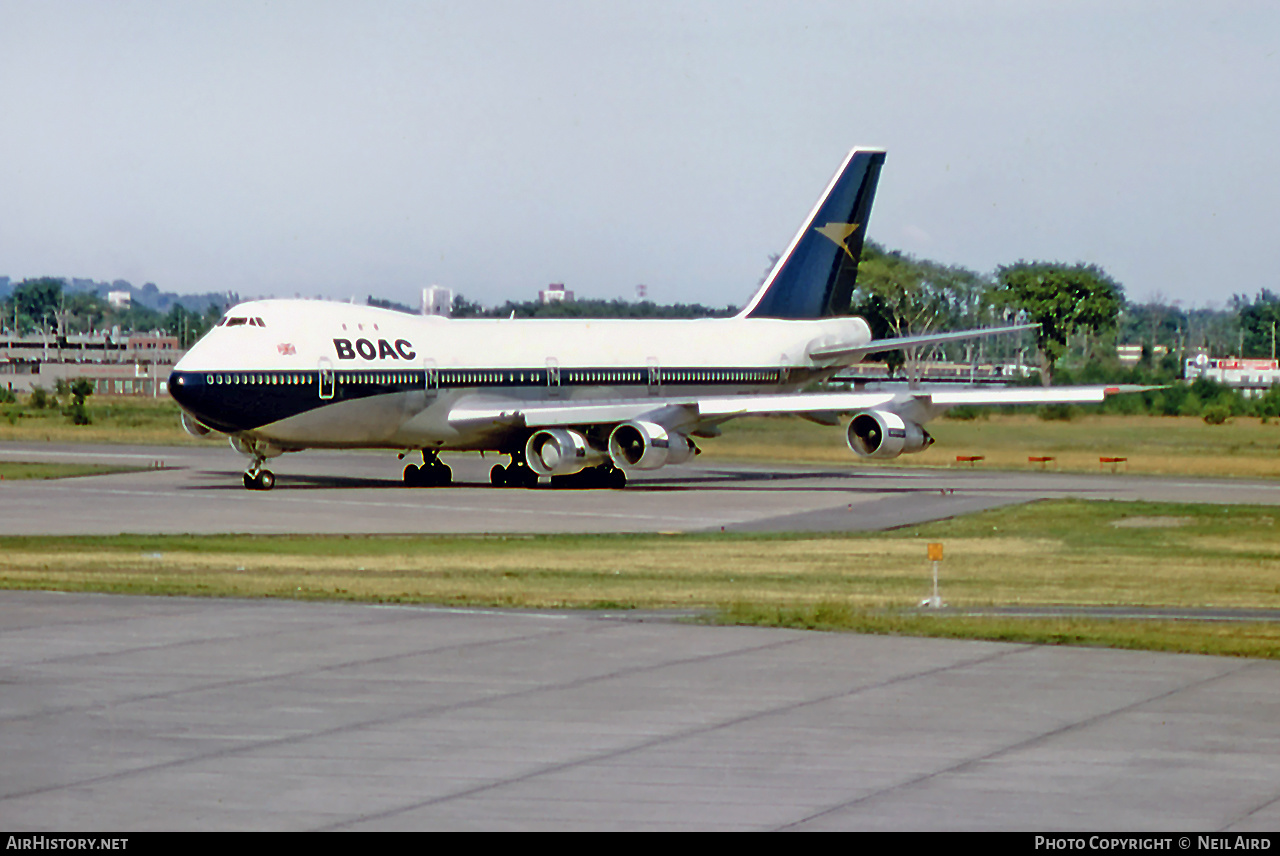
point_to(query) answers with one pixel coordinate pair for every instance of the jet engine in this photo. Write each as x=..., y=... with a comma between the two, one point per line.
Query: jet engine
x=560, y=452
x=194, y=428
x=647, y=446
x=881, y=434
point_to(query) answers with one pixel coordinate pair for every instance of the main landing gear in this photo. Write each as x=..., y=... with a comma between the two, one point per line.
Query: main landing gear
x=433, y=472
x=516, y=474
x=519, y=474
x=605, y=476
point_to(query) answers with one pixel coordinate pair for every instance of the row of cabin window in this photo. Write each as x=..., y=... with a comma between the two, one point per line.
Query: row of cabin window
x=254, y=378
x=491, y=377
x=673, y=376
x=261, y=379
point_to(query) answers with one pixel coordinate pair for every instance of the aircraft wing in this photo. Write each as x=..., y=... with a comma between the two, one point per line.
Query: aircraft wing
x=677, y=412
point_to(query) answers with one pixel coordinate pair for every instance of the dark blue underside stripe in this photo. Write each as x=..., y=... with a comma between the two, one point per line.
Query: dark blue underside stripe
x=241, y=401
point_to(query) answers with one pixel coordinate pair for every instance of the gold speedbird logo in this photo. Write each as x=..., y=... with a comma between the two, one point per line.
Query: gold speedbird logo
x=838, y=234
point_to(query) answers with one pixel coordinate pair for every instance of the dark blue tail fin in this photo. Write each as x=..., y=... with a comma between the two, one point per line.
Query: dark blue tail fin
x=816, y=275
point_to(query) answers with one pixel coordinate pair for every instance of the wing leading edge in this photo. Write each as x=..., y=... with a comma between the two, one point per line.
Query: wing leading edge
x=680, y=412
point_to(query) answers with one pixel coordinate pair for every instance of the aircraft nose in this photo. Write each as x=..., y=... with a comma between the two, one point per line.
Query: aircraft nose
x=198, y=397
x=179, y=389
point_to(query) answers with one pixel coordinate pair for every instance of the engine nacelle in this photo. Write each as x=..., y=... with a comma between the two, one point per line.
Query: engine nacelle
x=647, y=446
x=560, y=452
x=194, y=428
x=880, y=434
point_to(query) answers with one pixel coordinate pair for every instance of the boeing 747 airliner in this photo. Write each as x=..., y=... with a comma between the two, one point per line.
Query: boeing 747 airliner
x=579, y=401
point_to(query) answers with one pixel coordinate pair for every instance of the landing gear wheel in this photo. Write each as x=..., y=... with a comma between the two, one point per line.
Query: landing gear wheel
x=614, y=478
x=261, y=480
x=593, y=478
x=428, y=475
x=515, y=475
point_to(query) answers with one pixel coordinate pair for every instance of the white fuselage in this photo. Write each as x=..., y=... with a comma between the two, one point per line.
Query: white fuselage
x=314, y=374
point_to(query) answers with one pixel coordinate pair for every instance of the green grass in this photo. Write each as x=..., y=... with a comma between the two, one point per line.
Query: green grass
x=16, y=470
x=1166, y=445
x=1236, y=639
x=1050, y=553
x=148, y=421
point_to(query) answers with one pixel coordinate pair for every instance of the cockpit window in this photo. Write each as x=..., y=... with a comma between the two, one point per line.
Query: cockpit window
x=237, y=322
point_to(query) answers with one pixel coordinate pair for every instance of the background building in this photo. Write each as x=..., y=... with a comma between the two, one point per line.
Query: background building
x=555, y=293
x=1251, y=377
x=139, y=365
x=437, y=300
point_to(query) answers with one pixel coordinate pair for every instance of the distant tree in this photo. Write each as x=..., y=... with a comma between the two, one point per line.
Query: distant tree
x=1258, y=320
x=903, y=296
x=464, y=308
x=773, y=262
x=211, y=316
x=80, y=389
x=137, y=317
x=87, y=311
x=1062, y=299
x=37, y=300
x=188, y=326
x=390, y=304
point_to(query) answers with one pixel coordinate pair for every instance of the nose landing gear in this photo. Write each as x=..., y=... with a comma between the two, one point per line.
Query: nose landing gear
x=258, y=478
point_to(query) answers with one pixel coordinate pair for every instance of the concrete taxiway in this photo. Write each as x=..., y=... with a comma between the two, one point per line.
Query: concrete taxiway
x=137, y=713
x=199, y=490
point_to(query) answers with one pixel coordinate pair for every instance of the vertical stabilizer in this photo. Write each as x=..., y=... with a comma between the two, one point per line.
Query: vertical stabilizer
x=815, y=276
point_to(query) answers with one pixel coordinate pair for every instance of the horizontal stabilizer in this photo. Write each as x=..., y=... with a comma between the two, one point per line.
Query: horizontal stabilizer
x=854, y=353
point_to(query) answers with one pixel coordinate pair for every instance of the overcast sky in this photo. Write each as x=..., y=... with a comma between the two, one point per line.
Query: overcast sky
x=353, y=148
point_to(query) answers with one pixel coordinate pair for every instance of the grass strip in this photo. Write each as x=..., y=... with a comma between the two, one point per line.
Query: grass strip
x=1067, y=552
x=1233, y=639
x=1156, y=445
x=17, y=470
